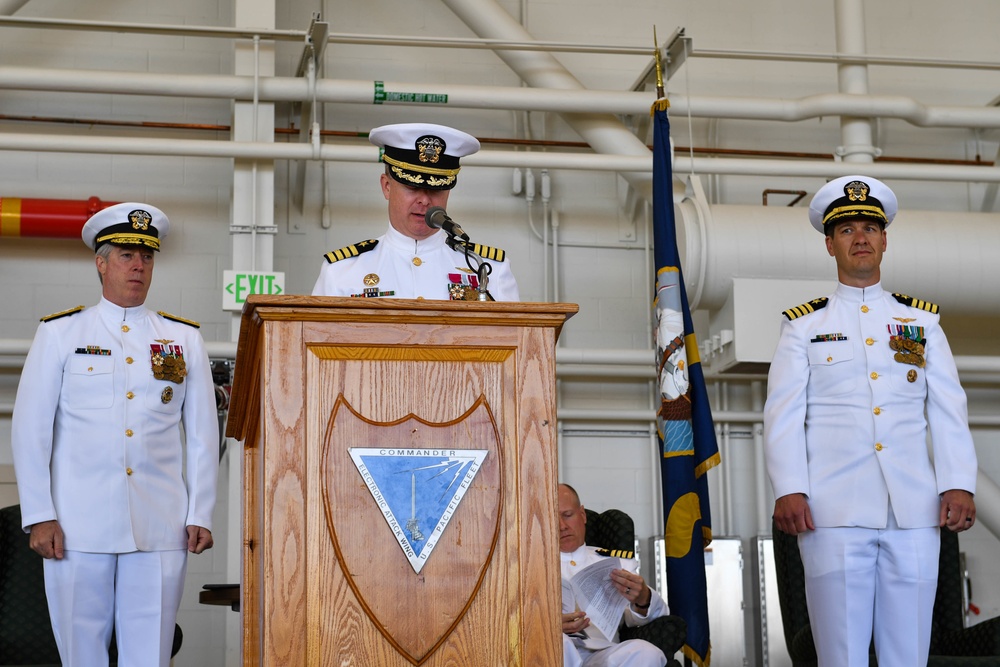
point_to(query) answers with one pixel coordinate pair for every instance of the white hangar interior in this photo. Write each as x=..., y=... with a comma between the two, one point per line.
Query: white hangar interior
x=246, y=122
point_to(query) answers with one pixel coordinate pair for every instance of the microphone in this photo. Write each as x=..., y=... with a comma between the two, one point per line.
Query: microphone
x=437, y=218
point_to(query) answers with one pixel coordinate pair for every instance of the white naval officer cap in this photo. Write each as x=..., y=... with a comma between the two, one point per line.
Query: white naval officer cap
x=851, y=197
x=423, y=155
x=128, y=223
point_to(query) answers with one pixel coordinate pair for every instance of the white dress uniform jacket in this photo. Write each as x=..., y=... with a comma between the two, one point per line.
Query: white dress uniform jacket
x=97, y=438
x=846, y=423
x=404, y=268
x=573, y=562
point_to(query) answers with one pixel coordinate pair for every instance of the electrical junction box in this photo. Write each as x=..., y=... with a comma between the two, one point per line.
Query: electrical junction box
x=744, y=332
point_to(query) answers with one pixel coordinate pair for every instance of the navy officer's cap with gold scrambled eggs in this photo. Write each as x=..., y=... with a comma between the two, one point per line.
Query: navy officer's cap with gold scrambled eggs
x=423, y=155
x=851, y=198
x=126, y=224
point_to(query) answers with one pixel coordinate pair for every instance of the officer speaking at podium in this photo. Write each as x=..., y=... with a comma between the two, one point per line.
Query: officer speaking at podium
x=420, y=256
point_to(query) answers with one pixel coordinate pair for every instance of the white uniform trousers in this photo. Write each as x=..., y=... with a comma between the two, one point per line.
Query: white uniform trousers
x=137, y=594
x=864, y=579
x=631, y=653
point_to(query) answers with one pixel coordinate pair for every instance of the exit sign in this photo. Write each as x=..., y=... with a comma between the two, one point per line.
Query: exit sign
x=241, y=284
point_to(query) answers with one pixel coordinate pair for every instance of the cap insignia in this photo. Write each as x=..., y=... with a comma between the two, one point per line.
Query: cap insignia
x=857, y=190
x=140, y=219
x=430, y=148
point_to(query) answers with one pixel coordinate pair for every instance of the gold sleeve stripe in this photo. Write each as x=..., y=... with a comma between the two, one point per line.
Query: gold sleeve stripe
x=919, y=304
x=175, y=318
x=350, y=251
x=805, y=309
x=487, y=252
x=61, y=313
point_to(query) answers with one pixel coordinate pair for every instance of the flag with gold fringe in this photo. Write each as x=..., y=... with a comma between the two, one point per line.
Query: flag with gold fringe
x=684, y=420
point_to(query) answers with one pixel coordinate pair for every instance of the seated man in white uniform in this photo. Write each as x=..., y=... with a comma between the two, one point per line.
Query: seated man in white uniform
x=414, y=260
x=583, y=644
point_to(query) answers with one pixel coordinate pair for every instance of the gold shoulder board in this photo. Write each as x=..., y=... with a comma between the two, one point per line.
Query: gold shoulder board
x=615, y=553
x=488, y=252
x=351, y=250
x=62, y=313
x=190, y=323
x=806, y=308
x=916, y=303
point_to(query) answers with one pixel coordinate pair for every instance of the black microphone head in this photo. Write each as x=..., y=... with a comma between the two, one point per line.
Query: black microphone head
x=435, y=217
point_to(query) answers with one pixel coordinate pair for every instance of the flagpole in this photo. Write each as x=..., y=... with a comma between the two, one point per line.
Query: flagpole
x=660, y=93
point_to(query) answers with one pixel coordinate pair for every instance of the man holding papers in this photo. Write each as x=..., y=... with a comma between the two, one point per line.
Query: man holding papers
x=598, y=591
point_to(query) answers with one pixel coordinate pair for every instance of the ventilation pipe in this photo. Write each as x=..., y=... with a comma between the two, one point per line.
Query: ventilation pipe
x=46, y=218
x=855, y=132
x=603, y=132
x=8, y=7
x=720, y=242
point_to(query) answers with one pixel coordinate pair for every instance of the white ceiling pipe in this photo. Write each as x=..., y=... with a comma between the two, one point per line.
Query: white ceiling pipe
x=855, y=132
x=604, y=132
x=292, y=89
x=649, y=416
x=106, y=145
x=8, y=7
x=970, y=367
x=823, y=169
x=469, y=43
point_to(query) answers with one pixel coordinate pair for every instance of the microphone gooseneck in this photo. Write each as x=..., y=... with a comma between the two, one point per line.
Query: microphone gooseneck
x=437, y=218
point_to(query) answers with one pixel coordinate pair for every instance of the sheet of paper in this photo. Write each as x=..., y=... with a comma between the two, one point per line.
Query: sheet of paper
x=601, y=601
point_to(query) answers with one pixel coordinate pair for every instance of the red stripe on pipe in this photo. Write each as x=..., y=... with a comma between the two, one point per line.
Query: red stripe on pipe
x=47, y=218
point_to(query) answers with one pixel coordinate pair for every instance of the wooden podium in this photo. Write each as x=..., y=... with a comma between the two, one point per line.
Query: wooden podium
x=332, y=398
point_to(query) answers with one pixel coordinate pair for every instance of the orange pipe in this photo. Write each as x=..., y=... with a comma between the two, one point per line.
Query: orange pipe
x=46, y=218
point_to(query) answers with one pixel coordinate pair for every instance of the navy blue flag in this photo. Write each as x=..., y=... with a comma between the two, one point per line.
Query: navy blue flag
x=684, y=420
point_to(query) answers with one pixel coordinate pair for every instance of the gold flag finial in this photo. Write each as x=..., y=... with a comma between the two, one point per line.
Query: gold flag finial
x=659, y=67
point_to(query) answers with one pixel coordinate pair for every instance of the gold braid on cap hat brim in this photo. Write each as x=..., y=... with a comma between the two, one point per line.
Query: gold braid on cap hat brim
x=855, y=210
x=398, y=165
x=128, y=239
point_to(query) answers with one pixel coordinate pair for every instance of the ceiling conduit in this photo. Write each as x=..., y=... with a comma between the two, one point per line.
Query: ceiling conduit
x=509, y=98
x=852, y=79
x=277, y=88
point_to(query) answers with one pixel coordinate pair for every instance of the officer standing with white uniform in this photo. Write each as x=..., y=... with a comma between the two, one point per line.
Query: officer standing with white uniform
x=413, y=260
x=112, y=500
x=858, y=380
